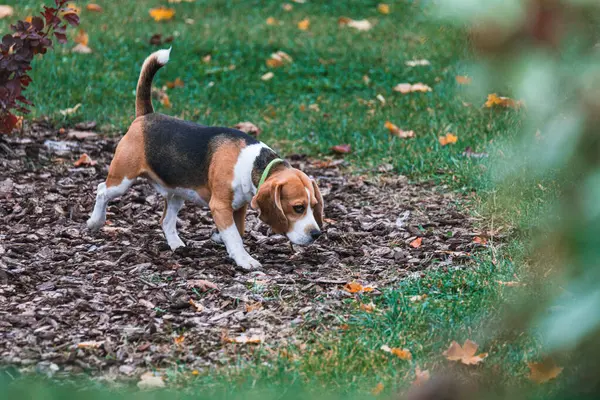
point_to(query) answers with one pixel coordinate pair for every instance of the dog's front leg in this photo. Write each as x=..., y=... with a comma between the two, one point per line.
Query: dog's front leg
x=230, y=235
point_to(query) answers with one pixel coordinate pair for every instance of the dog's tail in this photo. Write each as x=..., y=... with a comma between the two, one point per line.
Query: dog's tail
x=154, y=62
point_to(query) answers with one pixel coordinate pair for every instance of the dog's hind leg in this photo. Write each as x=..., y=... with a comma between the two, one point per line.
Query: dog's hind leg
x=169, y=221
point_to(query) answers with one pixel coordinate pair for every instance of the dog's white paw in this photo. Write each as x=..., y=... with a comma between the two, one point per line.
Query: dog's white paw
x=176, y=243
x=94, y=225
x=216, y=237
x=248, y=263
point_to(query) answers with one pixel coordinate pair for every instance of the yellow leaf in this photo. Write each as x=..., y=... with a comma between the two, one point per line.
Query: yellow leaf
x=367, y=307
x=464, y=354
x=179, y=340
x=90, y=344
x=199, y=307
x=272, y=21
x=416, y=243
x=304, y=24
x=69, y=111
x=28, y=18
x=463, y=80
x=278, y=59
x=195, y=372
x=93, y=7
x=377, y=389
x=355, y=287
x=82, y=37
x=165, y=101
x=544, y=371
x=6, y=11
x=84, y=160
x=383, y=8
x=448, y=139
x=403, y=354
x=395, y=131
x=405, y=88
x=176, y=83
x=162, y=13
x=506, y=102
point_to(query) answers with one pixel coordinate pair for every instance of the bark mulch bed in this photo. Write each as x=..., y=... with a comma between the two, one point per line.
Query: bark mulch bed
x=118, y=302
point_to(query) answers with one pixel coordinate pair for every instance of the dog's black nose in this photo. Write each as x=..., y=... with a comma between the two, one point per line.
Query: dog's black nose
x=315, y=233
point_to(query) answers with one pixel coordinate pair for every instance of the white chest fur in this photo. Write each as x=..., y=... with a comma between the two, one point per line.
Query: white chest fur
x=242, y=186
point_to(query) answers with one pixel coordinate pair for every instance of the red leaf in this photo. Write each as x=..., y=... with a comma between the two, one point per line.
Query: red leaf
x=342, y=149
x=72, y=18
x=7, y=123
x=62, y=38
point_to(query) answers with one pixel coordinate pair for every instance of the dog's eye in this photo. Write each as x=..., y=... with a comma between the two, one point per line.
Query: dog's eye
x=299, y=209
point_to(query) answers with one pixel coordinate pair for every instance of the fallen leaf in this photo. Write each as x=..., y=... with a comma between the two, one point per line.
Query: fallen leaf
x=268, y=76
x=381, y=99
x=272, y=21
x=420, y=376
x=377, y=389
x=201, y=284
x=367, y=307
x=195, y=372
x=179, y=340
x=416, y=243
x=206, y=59
x=448, y=139
x=417, y=63
x=314, y=107
x=150, y=381
x=6, y=11
x=279, y=59
x=506, y=102
x=395, y=131
x=304, y=24
x=89, y=345
x=94, y=7
x=366, y=79
x=355, y=287
x=199, y=307
x=418, y=297
x=69, y=111
x=287, y=7
x=361, y=25
x=165, y=101
x=464, y=354
x=403, y=354
x=405, y=88
x=84, y=160
x=383, y=8
x=243, y=339
x=342, y=148
x=176, y=83
x=81, y=49
x=253, y=306
x=542, y=372
x=463, y=80
x=82, y=37
x=248, y=127
x=480, y=240
x=162, y=13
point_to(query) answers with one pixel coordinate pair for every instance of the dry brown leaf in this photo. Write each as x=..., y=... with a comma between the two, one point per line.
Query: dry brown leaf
x=93, y=7
x=201, y=284
x=542, y=372
x=162, y=13
x=82, y=37
x=92, y=344
x=248, y=127
x=6, y=11
x=463, y=80
x=268, y=76
x=206, y=59
x=179, y=340
x=257, y=305
x=243, y=339
x=480, y=240
x=464, y=354
x=448, y=139
x=81, y=49
x=405, y=88
x=341, y=149
x=84, y=160
x=416, y=243
x=165, y=101
x=420, y=376
x=272, y=21
x=395, y=131
x=279, y=59
x=149, y=381
x=304, y=24
x=367, y=307
x=383, y=8
x=199, y=307
x=403, y=354
x=176, y=83
x=377, y=389
x=355, y=287
x=506, y=102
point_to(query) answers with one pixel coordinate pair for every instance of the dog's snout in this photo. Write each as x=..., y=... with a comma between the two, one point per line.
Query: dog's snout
x=315, y=233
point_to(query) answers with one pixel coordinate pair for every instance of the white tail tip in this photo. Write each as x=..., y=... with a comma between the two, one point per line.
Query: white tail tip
x=162, y=56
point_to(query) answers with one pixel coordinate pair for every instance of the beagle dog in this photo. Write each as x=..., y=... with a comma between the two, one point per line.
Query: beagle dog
x=222, y=168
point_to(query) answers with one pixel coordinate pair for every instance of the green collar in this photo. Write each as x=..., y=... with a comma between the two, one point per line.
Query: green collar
x=265, y=173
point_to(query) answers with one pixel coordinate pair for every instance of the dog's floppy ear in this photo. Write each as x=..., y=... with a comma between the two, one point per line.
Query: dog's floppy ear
x=268, y=203
x=318, y=213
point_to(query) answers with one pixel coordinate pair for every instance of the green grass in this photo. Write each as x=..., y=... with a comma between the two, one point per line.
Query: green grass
x=460, y=304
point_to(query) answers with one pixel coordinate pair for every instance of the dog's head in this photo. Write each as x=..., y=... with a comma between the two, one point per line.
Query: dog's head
x=291, y=203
